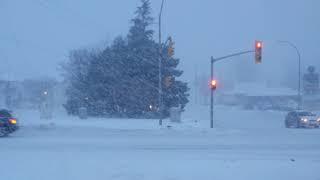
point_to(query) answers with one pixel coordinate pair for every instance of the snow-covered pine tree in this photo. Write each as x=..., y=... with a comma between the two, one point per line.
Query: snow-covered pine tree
x=75, y=72
x=142, y=64
x=122, y=80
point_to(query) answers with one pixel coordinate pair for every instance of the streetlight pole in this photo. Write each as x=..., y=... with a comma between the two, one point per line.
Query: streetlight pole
x=299, y=69
x=160, y=65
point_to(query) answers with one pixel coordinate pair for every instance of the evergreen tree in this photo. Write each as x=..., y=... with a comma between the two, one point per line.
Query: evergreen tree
x=75, y=73
x=123, y=79
x=142, y=62
x=140, y=33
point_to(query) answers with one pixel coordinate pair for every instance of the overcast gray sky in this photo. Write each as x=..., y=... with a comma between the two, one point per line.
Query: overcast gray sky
x=36, y=35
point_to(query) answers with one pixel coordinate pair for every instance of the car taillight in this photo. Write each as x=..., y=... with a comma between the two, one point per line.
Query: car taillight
x=13, y=121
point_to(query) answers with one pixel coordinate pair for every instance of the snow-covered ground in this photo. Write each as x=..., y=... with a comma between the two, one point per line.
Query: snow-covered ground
x=244, y=145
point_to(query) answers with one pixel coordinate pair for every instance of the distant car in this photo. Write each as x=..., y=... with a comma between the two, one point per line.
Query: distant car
x=302, y=119
x=8, y=124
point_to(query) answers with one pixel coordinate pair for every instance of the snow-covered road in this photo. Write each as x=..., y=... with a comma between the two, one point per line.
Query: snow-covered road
x=245, y=145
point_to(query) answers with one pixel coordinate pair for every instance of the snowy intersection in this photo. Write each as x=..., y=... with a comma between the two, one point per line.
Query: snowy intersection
x=245, y=145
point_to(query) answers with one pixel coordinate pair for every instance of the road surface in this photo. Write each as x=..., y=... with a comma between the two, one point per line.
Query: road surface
x=244, y=145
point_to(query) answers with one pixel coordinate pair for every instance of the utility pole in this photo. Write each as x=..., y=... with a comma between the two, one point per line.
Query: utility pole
x=160, y=66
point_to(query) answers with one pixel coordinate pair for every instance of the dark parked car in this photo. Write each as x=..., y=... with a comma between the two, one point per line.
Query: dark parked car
x=302, y=119
x=8, y=124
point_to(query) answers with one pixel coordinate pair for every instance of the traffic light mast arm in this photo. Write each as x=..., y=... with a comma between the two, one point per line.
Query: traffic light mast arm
x=231, y=55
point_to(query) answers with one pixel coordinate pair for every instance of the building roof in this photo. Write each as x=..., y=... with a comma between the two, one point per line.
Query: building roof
x=261, y=89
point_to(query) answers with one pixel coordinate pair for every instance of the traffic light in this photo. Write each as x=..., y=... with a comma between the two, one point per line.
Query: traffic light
x=168, y=81
x=213, y=84
x=171, y=48
x=258, y=52
x=171, y=51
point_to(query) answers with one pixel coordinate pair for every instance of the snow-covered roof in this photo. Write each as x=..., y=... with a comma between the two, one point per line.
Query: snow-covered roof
x=261, y=89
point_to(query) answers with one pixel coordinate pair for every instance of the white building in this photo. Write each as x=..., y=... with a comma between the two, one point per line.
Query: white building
x=260, y=96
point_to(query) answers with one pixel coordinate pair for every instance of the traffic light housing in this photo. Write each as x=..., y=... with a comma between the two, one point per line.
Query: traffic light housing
x=171, y=47
x=168, y=81
x=171, y=51
x=213, y=84
x=258, y=52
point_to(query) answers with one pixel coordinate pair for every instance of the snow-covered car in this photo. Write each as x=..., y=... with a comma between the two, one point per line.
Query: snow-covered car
x=302, y=119
x=8, y=124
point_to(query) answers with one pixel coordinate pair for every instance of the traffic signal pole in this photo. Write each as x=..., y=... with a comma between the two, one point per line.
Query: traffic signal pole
x=214, y=60
x=211, y=101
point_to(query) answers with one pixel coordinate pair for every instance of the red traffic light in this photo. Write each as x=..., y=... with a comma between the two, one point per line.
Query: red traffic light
x=258, y=52
x=213, y=84
x=258, y=44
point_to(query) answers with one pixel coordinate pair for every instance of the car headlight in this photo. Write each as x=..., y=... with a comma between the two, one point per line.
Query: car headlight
x=304, y=119
x=318, y=120
x=13, y=121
